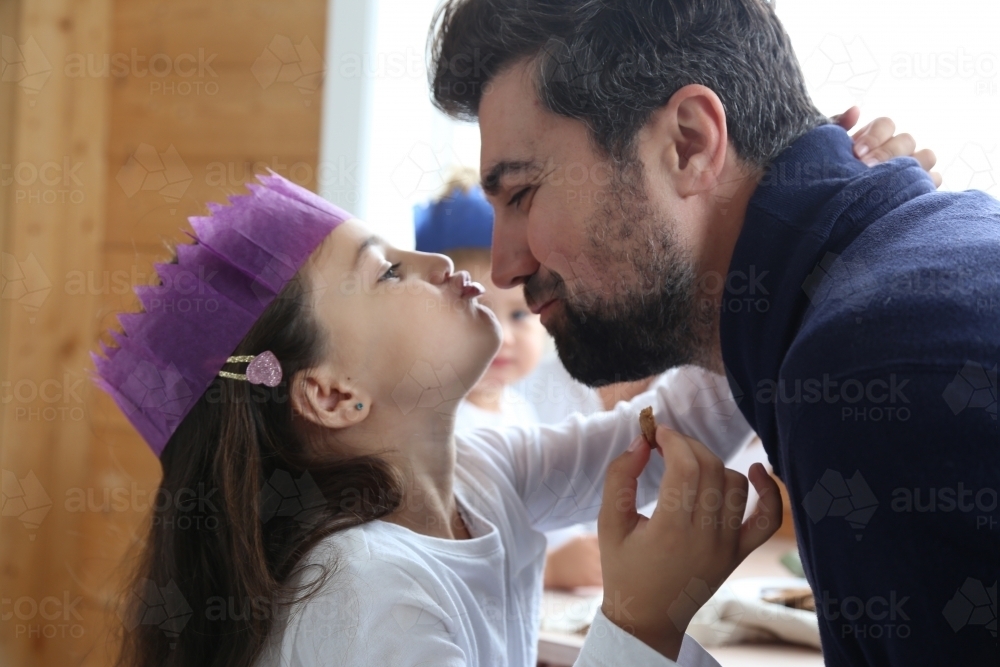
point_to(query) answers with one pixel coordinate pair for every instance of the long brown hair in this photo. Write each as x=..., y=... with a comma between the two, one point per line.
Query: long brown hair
x=243, y=497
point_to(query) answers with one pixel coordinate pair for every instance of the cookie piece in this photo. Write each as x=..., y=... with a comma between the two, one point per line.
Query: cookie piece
x=647, y=423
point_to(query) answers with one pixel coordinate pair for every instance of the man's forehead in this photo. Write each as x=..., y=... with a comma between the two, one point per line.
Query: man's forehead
x=511, y=119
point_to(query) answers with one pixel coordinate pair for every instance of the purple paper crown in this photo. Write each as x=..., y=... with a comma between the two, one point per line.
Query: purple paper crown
x=243, y=255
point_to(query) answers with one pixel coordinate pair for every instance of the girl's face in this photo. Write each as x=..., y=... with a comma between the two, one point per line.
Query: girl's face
x=523, y=333
x=404, y=330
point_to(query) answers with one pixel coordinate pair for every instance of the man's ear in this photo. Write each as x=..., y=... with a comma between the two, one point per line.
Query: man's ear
x=685, y=141
x=328, y=400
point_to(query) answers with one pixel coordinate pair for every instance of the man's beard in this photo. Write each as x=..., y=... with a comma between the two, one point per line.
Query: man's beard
x=652, y=319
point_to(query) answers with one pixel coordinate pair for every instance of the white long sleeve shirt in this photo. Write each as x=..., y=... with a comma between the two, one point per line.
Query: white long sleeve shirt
x=396, y=597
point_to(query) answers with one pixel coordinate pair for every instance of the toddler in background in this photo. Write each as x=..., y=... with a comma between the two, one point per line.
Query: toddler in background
x=459, y=224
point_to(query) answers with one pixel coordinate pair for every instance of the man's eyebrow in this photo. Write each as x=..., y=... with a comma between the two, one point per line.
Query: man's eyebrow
x=491, y=179
x=374, y=239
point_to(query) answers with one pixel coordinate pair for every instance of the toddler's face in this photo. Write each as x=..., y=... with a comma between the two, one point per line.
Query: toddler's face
x=523, y=333
x=398, y=321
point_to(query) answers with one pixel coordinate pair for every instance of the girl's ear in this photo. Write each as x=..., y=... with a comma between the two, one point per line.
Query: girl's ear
x=328, y=400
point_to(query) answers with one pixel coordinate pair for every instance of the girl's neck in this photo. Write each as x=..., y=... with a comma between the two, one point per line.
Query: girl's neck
x=488, y=397
x=424, y=455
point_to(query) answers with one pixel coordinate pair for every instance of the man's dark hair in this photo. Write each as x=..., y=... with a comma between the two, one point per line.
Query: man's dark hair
x=612, y=63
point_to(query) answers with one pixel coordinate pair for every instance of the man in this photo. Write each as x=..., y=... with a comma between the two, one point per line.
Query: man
x=667, y=194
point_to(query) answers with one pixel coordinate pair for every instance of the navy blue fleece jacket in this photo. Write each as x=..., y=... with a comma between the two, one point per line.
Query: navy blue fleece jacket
x=861, y=334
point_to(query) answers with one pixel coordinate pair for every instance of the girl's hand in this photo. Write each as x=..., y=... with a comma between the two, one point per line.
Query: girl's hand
x=693, y=541
x=574, y=564
x=875, y=143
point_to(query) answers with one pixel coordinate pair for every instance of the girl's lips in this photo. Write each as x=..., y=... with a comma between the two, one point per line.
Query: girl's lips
x=471, y=290
x=501, y=362
x=467, y=289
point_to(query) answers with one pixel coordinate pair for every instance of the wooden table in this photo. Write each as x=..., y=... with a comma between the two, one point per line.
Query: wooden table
x=562, y=649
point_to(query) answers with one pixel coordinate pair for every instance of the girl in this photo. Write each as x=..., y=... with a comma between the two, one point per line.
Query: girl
x=324, y=511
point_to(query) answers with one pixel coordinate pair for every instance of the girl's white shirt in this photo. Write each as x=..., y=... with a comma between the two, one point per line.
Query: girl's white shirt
x=396, y=597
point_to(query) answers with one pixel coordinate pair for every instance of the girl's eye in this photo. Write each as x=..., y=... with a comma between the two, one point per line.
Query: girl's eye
x=519, y=315
x=391, y=272
x=516, y=199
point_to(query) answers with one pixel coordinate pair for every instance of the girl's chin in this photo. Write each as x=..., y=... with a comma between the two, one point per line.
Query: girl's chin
x=484, y=337
x=497, y=329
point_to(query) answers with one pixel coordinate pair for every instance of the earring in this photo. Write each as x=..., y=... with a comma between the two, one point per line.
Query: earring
x=359, y=406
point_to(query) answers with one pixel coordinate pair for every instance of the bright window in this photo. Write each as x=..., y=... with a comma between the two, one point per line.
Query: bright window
x=933, y=67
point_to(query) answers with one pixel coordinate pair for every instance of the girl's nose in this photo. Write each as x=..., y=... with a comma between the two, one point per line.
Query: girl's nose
x=439, y=269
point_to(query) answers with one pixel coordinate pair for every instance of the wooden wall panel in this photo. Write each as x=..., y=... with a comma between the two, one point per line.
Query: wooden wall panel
x=93, y=253
x=216, y=132
x=57, y=142
x=147, y=219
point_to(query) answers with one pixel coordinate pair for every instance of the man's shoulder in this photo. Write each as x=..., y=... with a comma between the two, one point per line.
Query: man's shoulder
x=915, y=285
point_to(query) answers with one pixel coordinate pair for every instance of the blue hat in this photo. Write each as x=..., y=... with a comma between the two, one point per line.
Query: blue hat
x=459, y=220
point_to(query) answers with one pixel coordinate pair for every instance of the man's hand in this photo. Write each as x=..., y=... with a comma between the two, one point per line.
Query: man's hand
x=694, y=539
x=875, y=143
x=576, y=563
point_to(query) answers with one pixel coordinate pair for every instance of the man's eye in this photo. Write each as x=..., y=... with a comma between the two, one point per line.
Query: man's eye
x=391, y=272
x=516, y=199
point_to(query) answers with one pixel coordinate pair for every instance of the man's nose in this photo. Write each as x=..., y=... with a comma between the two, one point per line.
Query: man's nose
x=511, y=256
